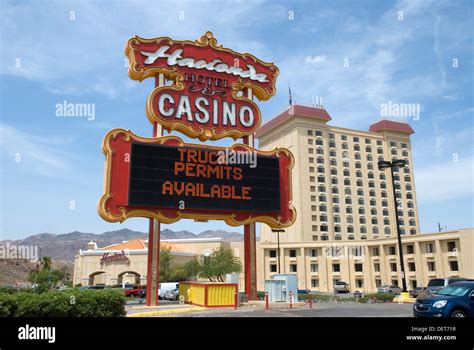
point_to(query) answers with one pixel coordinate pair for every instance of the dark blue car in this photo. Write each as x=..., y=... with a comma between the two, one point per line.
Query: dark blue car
x=455, y=300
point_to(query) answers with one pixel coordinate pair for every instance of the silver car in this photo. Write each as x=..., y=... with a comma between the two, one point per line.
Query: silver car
x=436, y=284
x=390, y=288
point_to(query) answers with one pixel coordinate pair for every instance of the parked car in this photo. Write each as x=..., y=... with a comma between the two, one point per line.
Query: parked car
x=436, y=284
x=358, y=294
x=92, y=287
x=341, y=287
x=172, y=294
x=418, y=291
x=164, y=287
x=133, y=292
x=390, y=288
x=455, y=300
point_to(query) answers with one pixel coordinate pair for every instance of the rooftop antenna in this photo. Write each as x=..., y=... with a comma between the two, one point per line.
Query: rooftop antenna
x=290, y=98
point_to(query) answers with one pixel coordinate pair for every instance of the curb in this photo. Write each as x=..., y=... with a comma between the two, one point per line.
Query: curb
x=166, y=312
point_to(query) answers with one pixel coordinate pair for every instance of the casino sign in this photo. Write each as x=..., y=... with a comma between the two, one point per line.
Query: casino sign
x=167, y=179
x=206, y=98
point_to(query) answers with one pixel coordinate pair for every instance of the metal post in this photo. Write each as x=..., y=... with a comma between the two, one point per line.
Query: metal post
x=399, y=237
x=266, y=300
x=310, y=299
x=278, y=252
x=291, y=299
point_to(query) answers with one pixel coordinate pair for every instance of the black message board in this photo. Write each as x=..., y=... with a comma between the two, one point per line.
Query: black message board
x=171, y=177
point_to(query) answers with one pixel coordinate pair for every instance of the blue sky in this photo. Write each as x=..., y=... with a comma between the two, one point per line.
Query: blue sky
x=55, y=51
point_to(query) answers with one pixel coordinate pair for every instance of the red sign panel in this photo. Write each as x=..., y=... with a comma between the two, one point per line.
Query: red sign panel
x=209, y=96
x=167, y=179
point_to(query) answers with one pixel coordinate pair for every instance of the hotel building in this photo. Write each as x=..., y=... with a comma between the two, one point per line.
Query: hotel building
x=346, y=224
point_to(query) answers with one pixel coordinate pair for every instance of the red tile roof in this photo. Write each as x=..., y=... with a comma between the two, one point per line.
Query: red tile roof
x=298, y=110
x=390, y=125
x=132, y=244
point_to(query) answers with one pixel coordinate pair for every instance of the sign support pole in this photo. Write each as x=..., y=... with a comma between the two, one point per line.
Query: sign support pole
x=250, y=238
x=153, y=268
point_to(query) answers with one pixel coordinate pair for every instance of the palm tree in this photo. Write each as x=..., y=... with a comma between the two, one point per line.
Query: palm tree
x=46, y=262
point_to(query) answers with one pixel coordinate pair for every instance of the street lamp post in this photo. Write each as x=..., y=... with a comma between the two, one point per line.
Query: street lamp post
x=396, y=163
x=278, y=243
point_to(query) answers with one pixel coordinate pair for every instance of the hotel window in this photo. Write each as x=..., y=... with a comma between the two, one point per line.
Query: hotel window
x=411, y=213
x=333, y=171
x=273, y=268
x=336, y=268
x=361, y=211
x=334, y=181
x=375, y=251
x=314, y=267
x=357, y=156
x=359, y=183
x=335, y=199
x=379, y=151
x=337, y=218
x=369, y=158
x=310, y=132
x=310, y=141
x=343, y=137
x=292, y=253
x=347, y=191
x=370, y=167
x=393, y=144
x=324, y=228
x=383, y=194
x=314, y=218
x=363, y=230
x=322, y=188
x=347, y=182
x=332, y=153
x=407, y=178
x=408, y=195
x=405, y=153
x=368, y=149
x=391, y=250
x=360, y=192
x=311, y=159
x=412, y=231
x=321, y=179
x=323, y=207
x=315, y=238
x=359, y=283
x=395, y=282
x=345, y=164
x=313, y=208
x=373, y=211
x=337, y=229
x=379, y=142
x=361, y=221
x=431, y=266
x=385, y=212
x=373, y=202
x=384, y=203
x=313, y=253
x=319, y=142
x=318, y=133
x=348, y=210
x=429, y=247
x=411, y=266
x=374, y=221
x=375, y=230
x=350, y=229
x=344, y=146
x=333, y=161
x=382, y=176
x=358, y=267
x=323, y=218
x=346, y=173
x=386, y=221
x=393, y=152
x=272, y=253
x=383, y=185
x=360, y=201
x=324, y=237
x=310, y=151
x=311, y=169
x=393, y=267
x=367, y=141
x=406, y=170
x=320, y=170
x=293, y=268
x=358, y=165
x=312, y=178
x=376, y=267
x=332, y=136
x=408, y=187
x=451, y=246
x=453, y=265
x=312, y=188
x=378, y=283
x=322, y=198
x=314, y=283
x=319, y=151
x=358, y=174
x=387, y=231
x=371, y=193
x=356, y=148
x=336, y=209
x=350, y=219
x=412, y=222
x=370, y=175
x=348, y=200
x=313, y=198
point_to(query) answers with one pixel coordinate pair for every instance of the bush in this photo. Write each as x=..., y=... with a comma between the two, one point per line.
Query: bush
x=377, y=298
x=70, y=303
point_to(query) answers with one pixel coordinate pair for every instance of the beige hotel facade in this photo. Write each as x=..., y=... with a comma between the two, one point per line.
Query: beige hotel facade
x=346, y=228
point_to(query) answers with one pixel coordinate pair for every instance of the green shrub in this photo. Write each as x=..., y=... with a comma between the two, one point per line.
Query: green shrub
x=70, y=303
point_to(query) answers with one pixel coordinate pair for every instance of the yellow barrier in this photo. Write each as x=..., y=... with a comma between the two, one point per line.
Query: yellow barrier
x=209, y=294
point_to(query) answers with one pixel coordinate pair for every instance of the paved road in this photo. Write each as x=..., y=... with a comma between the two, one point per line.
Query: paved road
x=319, y=310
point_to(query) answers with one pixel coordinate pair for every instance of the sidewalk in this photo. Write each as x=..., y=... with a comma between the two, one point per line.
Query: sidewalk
x=150, y=311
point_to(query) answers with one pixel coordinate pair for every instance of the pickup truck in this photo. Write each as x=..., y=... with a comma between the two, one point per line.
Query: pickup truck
x=134, y=291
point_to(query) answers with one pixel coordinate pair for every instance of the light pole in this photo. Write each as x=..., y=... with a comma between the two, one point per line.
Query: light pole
x=396, y=163
x=278, y=243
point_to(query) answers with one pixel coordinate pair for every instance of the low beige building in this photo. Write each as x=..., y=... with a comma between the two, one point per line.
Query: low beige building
x=126, y=262
x=366, y=265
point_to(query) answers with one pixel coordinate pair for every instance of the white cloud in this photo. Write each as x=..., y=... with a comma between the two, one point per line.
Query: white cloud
x=36, y=154
x=441, y=182
x=315, y=59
